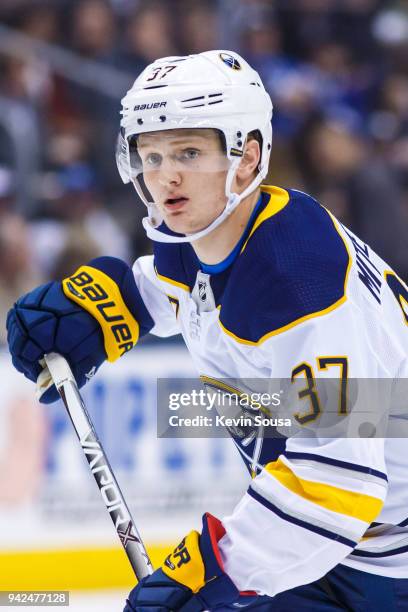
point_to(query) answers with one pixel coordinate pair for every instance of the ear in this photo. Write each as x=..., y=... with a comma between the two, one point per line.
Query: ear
x=248, y=165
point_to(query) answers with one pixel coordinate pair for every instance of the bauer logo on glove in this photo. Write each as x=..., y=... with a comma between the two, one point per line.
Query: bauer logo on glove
x=97, y=293
x=180, y=553
x=185, y=564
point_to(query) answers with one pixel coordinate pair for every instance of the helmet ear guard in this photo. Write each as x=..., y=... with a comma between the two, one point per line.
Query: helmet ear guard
x=215, y=89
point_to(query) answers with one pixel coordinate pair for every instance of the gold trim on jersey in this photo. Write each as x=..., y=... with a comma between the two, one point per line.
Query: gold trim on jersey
x=171, y=281
x=350, y=260
x=174, y=301
x=356, y=505
x=402, y=302
x=280, y=330
x=279, y=198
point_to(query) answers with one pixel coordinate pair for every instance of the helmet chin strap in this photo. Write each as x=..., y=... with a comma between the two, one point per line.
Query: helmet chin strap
x=158, y=236
x=233, y=200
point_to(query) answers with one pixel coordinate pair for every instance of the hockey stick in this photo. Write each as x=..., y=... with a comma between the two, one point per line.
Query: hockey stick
x=112, y=496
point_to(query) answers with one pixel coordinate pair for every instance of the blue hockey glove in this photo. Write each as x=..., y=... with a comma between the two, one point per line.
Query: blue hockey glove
x=95, y=314
x=192, y=577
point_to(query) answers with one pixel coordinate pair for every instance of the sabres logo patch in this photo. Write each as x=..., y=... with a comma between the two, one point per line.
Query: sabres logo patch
x=230, y=61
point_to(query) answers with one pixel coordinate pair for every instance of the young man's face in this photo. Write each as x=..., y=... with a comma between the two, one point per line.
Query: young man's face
x=185, y=171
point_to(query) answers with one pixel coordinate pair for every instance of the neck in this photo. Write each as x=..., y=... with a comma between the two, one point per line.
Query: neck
x=219, y=243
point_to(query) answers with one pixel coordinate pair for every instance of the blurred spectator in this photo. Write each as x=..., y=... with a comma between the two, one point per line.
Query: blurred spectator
x=94, y=29
x=342, y=81
x=41, y=20
x=360, y=188
x=7, y=190
x=27, y=80
x=78, y=248
x=389, y=124
x=76, y=208
x=149, y=34
x=18, y=274
x=69, y=143
x=200, y=29
x=293, y=85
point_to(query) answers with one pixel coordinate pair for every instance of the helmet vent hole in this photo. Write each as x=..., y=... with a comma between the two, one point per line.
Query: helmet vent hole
x=193, y=99
x=162, y=118
x=202, y=100
x=140, y=121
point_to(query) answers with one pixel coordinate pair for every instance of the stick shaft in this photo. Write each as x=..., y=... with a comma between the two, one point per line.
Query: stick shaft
x=99, y=465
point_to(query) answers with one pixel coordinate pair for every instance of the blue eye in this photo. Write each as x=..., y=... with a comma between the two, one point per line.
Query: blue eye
x=190, y=154
x=153, y=160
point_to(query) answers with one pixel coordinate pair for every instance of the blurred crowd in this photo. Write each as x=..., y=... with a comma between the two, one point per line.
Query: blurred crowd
x=337, y=72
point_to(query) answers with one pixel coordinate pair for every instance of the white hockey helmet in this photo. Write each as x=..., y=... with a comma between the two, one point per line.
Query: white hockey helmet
x=215, y=89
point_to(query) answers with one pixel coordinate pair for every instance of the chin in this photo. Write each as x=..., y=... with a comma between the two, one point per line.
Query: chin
x=181, y=227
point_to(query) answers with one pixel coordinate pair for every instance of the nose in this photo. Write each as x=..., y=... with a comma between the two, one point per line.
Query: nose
x=169, y=173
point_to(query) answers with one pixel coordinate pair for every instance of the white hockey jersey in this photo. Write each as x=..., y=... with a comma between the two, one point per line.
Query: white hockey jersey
x=304, y=299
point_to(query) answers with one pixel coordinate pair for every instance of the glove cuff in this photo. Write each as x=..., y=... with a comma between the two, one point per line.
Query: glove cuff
x=218, y=588
x=222, y=589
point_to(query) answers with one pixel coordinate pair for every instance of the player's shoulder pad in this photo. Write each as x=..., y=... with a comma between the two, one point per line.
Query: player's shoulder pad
x=293, y=267
x=175, y=264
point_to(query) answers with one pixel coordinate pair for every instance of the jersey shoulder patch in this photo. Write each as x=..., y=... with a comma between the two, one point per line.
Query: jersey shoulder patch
x=293, y=267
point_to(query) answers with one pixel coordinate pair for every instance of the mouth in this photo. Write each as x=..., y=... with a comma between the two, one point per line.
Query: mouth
x=175, y=204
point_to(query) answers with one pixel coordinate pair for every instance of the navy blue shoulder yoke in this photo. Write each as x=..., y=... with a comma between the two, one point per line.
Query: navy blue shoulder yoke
x=293, y=267
x=176, y=263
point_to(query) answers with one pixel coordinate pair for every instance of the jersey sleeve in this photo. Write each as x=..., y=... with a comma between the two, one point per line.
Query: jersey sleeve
x=154, y=298
x=308, y=509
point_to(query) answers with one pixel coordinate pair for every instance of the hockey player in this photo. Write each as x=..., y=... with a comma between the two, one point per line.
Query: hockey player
x=263, y=283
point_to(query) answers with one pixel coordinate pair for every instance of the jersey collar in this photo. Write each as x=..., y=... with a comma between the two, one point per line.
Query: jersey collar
x=229, y=260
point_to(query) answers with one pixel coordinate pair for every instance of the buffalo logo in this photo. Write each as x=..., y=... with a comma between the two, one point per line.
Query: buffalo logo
x=202, y=290
x=230, y=61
